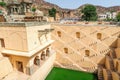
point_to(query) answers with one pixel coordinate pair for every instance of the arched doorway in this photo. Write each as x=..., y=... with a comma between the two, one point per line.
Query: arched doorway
x=47, y=52
x=99, y=36
x=37, y=61
x=43, y=56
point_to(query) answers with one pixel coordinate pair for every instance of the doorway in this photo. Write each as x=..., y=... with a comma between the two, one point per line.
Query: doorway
x=19, y=66
x=99, y=36
x=2, y=44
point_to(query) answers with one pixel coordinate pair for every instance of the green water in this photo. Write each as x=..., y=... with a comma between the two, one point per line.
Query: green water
x=66, y=74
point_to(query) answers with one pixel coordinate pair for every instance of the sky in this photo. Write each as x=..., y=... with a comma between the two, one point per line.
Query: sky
x=73, y=4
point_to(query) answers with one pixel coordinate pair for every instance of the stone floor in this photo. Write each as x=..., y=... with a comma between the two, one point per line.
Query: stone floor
x=16, y=76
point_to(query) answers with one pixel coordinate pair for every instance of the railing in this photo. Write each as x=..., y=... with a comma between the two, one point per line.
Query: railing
x=100, y=73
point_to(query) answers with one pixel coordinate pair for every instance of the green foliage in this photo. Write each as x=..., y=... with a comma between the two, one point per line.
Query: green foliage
x=33, y=9
x=0, y=11
x=89, y=13
x=3, y=4
x=118, y=17
x=52, y=12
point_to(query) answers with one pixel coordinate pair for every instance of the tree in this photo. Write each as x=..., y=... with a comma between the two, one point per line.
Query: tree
x=52, y=13
x=3, y=4
x=33, y=9
x=118, y=17
x=89, y=13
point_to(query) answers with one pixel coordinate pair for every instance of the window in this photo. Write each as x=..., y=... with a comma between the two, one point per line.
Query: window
x=2, y=44
x=37, y=61
x=77, y=34
x=99, y=36
x=117, y=65
x=87, y=53
x=66, y=50
x=59, y=33
x=43, y=56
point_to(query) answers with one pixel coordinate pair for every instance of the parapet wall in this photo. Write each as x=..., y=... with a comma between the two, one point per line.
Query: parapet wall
x=42, y=73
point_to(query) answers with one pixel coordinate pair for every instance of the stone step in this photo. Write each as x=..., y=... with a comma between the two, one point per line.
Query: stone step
x=5, y=67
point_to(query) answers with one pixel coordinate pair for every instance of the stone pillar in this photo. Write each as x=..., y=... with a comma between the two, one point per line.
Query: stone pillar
x=42, y=56
x=11, y=10
x=25, y=9
x=47, y=52
x=38, y=62
x=29, y=70
x=18, y=10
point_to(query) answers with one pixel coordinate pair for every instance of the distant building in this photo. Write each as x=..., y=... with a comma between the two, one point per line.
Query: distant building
x=19, y=7
x=107, y=15
x=102, y=16
x=111, y=15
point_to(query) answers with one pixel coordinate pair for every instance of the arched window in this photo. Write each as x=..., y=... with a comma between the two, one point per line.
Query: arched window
x=87, y=53
x=59, y=33
x=66, y=50
x=43, y=56
x=99, y=36
x=47, y=52
x=77, y=34
x=37, y=61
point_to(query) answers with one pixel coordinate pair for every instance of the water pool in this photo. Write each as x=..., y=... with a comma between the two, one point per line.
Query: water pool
x=67, y=74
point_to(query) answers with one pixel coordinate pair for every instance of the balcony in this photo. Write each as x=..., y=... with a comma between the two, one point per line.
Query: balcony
x=26, y=54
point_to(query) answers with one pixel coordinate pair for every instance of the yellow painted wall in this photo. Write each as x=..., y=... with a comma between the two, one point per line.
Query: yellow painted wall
x=118, y=45
x=32, y=36
x=115, y=76
x=105, y=74
x=107, y=64
x=14, y=37
x=117, y=50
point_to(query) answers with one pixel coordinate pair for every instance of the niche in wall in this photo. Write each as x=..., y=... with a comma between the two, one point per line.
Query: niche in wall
x=99, y=36
x=59, y=33
x=87, y=53
x=66, y=50
x=77, y=34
